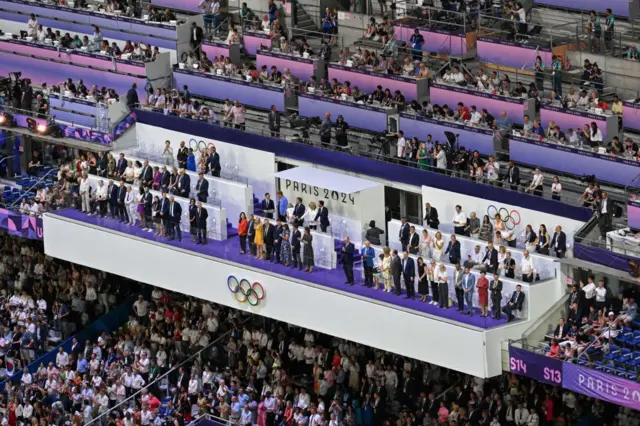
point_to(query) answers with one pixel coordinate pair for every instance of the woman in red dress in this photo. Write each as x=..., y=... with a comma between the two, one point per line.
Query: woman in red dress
x=11, y=413
x=483, y=293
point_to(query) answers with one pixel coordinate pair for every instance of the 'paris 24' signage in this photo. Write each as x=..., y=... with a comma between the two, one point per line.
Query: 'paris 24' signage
x=319, y=192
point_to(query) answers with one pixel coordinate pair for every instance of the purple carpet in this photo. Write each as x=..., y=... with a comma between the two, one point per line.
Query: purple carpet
x=229, y=250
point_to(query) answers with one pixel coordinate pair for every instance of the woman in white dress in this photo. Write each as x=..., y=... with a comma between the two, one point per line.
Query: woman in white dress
x=137, y=171
x=167, y=154
x=502, y=255
x=310, y=215
x=127, y=175
x=425, y=244
x=132, y=205
x=438, y=247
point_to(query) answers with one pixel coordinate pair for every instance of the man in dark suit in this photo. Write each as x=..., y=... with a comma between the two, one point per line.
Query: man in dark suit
x=184, y=184
x=268, y=206
x=347, y=259
x=197, y=36
x=404, y=233
x=201, y=223
x=269, y=235
x=175, y=214
x=513, y=176
x=560, y=333
x=604, y=210
x=202, y=188
x=165, y=179
x=515, y=303
x=132, y=97
x=298, y=212
x=431, y=216
x=123, y=214
x=101, y=166
x=182, y=155
x=322, y=216
x=27, y=95
x=491, y=258
x=163, y=209
x=409, y=274
x=121, y=165
x=251, y=233
x=295, y=247
x=414, y=241
x=112, y=199
x=559, y=242
x=396, y=270
x=274, y=122
x=146, y=175
x=213, y=162
x=453, y=250
x=496, y=295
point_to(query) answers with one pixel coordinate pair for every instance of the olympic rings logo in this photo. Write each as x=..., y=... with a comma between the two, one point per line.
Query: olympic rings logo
x=511, y=218
x=244, y=291
x=197, y=146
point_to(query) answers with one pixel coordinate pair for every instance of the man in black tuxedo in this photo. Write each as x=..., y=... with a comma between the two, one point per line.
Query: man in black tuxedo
x=182, y=155
x=515, y=303
x=295, y=247
x=409, y=274
x=121, y=165
x=604, y=210
x=453, y=250
x=197, y=36
x=404, y=233
x=491, y=258
x=184, y=184
x=251, y=233
x=513, y=176
x=165, y=180
x=396, y=270
x=298, y=212
x=431, y=216
x=112, y=198
x=322, y=216
x=146, y=176
x=213, y=162
x=559, y=242
x=274, y=122
x=560, y=333
x=496, y=295
x=414, y=240
x=132, y=97
x=163, y=208
x=76, y=347
x=268, y=206
x=122, y=213
x=201, y=223
x=347, y=259
x=202, y=188
x=175, y=214
x=268, y=233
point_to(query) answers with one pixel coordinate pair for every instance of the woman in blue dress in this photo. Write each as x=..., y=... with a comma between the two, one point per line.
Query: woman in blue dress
x=285, y=245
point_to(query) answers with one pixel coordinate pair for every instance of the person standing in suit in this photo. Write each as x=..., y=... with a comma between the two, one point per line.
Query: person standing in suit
x=432, y=273
x=201, y=223
x=251, y=234
x=307, y=251
x=414, y=240
x=121, y=203
x=322, y=217
x=182, y=155
x=112, y=198
x=267, y=206
x=396, y=270
x=184, y=184
x=515, y=303
x=146, y=175
x=175, y=214
x=121, y=165
x=468, y=287
x=483, y=293
x=202, y=188
x=283, y=205
x=409, y=275
x=277, y=240
x=559, y=242
x=269, y=237
x=491, y=258
x=403, y=235
x=373, y=233
x=274, y=122
x=513, y=176
x=132, y=97
x=430, y=216
x=213, y=162
x=347, y=251
x=443, y=286
x=368, y=255
x=196, y=38
x=457, y=283
x=496, y=296
x=296, y=236
x=298, y=212
x=193, y=220
x=453, y=250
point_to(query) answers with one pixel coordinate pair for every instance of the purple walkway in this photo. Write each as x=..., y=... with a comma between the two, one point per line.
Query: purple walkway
x=229, y=250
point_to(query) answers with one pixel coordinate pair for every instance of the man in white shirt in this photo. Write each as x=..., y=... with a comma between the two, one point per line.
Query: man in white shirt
x=62, y=358
x=32, y=26
x=459, y=221
x=521, y=415
x=303, y=399
x=601, y=296
x=527, y=267
x=590, y=291
x=390, y=382
x=400, y=145
x=476, y=117
x=141, y=308
x=536, y=183
x=85, y=193
x=101, y=197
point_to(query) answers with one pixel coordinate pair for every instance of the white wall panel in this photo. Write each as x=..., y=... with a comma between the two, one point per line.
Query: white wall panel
x=365, y=321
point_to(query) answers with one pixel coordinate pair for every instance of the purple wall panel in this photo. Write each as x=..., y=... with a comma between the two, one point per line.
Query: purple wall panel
x=511, y=54
x=441, y=42
x=301, y=68
x=631, y=116
x=619, y=7
x=633, y=214
x=441, y=94
x=215, y=49
x=367, y=81
x=355, y=115
x=252, y=42
x=249, y=94
x=571, y=119
x=188, y=5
